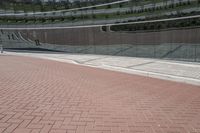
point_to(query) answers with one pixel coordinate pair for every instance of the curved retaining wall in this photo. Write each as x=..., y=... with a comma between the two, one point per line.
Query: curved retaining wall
x=94, y=36
x=180, y=44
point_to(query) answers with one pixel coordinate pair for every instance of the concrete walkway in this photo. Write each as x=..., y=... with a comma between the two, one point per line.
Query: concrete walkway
x=187, y=72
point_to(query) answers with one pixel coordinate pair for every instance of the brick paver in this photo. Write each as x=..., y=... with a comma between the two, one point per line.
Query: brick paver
x=43, y=96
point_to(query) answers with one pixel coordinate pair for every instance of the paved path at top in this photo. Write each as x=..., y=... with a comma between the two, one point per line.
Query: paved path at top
x=45, y=96
x=188, y=72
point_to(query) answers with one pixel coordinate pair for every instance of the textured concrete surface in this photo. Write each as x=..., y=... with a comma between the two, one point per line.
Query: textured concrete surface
x=95, y=36
x=176, y=45
x=45, y=96
x=188, y=72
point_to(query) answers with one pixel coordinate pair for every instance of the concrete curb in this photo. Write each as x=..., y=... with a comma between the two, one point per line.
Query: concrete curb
x=157, y=75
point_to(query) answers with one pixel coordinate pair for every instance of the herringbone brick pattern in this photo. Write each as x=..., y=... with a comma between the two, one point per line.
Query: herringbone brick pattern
x=42, y=96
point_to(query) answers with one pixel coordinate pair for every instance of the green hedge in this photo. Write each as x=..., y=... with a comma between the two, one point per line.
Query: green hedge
x=156, y=26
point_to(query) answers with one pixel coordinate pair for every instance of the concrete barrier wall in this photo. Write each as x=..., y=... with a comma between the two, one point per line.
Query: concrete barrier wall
x=182, y=44
x=95, y=36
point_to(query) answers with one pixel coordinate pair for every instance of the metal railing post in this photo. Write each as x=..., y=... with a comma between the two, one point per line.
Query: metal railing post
x=195, y=52
x=1, y=48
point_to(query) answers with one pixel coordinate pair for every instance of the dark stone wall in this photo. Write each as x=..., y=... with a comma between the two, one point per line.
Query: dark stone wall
x=95, y=36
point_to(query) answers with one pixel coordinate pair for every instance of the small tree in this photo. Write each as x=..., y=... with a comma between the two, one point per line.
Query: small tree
x=94, y=16
x=108, y=6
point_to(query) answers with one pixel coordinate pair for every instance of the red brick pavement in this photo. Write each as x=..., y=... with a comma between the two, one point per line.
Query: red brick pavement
x=52, y=97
